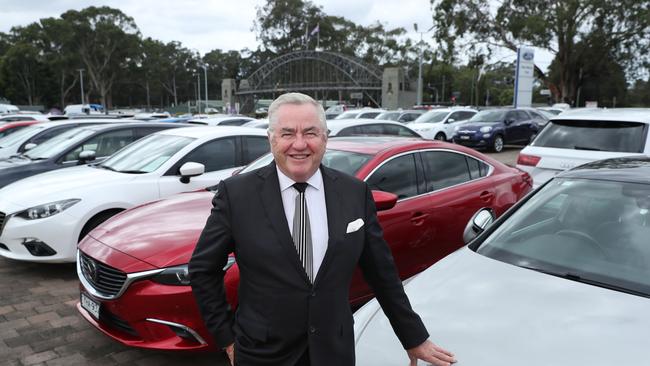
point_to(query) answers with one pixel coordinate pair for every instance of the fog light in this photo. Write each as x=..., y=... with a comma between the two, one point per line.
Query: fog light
x=37, y=248
x=486, y=135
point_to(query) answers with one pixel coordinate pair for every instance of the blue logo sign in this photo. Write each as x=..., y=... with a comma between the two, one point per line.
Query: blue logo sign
x=528, y=55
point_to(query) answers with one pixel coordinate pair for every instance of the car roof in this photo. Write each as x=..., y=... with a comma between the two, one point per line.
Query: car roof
x=339, y=124
x=209, y=132
x=634, y=169
x=376, y=144
x=102, y=127
x=615, y=114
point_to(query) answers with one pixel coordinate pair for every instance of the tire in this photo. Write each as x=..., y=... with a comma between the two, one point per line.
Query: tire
x=497, y=144
x=440, y=137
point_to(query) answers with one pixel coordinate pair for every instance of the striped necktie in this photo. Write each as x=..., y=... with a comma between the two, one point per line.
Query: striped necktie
x=302, y=231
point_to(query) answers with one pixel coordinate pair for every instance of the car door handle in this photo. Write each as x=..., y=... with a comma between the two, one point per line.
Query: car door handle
x=487, y=196
x=418, y=218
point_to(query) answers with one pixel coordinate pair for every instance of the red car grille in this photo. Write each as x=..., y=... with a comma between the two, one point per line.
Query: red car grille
x=104, y=279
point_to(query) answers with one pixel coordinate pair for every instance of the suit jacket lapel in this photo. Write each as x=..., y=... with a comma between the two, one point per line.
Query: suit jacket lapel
x=333, y=205
x=272, y=201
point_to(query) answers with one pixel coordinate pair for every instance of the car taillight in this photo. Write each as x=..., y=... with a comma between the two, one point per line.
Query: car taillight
x=530, y=160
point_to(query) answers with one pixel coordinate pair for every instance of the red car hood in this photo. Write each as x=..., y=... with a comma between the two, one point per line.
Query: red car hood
x=162, y=233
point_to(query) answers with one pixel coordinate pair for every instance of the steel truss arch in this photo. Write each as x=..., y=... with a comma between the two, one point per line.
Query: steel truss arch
x=325, y=71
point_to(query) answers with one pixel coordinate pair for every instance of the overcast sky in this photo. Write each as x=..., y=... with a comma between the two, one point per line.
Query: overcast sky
x=205, y=25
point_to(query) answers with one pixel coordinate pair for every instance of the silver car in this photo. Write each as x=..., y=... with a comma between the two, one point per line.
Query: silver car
x=563, y=278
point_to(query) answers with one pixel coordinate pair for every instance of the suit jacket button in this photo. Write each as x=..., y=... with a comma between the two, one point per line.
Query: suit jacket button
x=312, y=330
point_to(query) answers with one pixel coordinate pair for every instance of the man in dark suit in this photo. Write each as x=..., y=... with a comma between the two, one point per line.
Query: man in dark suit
x=298, y=230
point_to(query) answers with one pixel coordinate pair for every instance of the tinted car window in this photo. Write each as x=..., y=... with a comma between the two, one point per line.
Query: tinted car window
x=234, y=122
x=444, y=169
x=522, y=116
x=477, y=168
x=254, y=147
x=594, y=135
x=104, y=144
x=397, y=131
x=396, y=176
x=49, y=133
x=215, y=155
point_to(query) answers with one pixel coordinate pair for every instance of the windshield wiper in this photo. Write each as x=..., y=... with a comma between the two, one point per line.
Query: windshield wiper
x=131, y=171
x=577, y=278
x=105, y=167
x=20, y=156
x=586, y=148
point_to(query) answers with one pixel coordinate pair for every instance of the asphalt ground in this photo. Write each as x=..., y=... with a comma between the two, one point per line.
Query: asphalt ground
x=40, y=325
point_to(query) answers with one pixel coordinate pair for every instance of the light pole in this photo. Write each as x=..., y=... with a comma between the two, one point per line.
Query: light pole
x=81, y=77
x=205, y=80
x=198, y=94
x=419, y=92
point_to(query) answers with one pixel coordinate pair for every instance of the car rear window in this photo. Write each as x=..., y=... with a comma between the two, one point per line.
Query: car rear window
x=614, y=136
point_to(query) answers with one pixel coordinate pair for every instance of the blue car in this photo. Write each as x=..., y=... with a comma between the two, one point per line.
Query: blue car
x=491, y=129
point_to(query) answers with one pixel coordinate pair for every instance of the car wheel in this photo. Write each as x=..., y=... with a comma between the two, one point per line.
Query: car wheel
x=497, y=145
x=440, y=136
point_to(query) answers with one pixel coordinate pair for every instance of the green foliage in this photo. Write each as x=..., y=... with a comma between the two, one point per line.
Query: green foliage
x=570, y=29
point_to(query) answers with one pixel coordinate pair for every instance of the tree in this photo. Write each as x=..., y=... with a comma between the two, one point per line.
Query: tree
x=554, y=25
x=58, y=47
x=106, y=39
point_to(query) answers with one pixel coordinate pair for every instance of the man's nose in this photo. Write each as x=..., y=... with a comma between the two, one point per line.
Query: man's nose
x=300, y=142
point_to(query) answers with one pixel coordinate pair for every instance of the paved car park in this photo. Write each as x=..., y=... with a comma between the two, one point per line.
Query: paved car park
x=40, y=325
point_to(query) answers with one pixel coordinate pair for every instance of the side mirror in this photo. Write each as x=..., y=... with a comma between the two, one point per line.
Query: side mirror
x=29, y=146
x=508, y=121
x=451, y=120
x=191, y=169
x=477, y=224
x=384, y=200
x=86, y=156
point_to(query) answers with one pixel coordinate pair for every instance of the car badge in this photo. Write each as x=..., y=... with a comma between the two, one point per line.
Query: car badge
x=90, y=270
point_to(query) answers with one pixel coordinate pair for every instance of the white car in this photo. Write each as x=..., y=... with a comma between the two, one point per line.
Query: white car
x=579, y=136
x=224, y=120
x=30, y=136
x=370, y=127
x=44, y=216
x=439, y=124
x=360, y=113
x=562, y=279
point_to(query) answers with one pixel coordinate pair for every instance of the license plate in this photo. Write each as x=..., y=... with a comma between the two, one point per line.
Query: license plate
x=464, y=137
x=90, y=305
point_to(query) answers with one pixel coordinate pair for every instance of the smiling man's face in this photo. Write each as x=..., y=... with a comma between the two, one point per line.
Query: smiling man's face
x=298, y=141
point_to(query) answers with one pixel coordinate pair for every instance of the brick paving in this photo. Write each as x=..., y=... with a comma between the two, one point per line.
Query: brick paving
x=39, y=323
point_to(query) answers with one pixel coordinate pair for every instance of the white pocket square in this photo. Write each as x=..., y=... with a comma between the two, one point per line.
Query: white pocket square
x=354, y=226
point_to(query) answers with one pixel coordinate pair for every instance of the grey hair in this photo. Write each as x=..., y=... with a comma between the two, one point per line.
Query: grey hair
x=296, y=99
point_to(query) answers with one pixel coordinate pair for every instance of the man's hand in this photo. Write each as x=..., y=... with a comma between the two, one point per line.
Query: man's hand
x=431, y=353
x=230, y=351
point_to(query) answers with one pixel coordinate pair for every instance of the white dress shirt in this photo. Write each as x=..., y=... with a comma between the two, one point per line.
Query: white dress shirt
x=315, y=196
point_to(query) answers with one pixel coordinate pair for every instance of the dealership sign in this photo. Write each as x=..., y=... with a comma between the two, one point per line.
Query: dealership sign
x=524, y=77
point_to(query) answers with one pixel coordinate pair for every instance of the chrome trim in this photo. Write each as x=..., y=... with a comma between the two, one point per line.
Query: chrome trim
x=130, y=278
x=185, y=328
x=489, y=173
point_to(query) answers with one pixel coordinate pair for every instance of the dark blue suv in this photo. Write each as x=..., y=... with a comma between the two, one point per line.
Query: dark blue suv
x=494, y=128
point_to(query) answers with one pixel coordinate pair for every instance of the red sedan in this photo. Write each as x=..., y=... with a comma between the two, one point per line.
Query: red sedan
x=133, y=268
